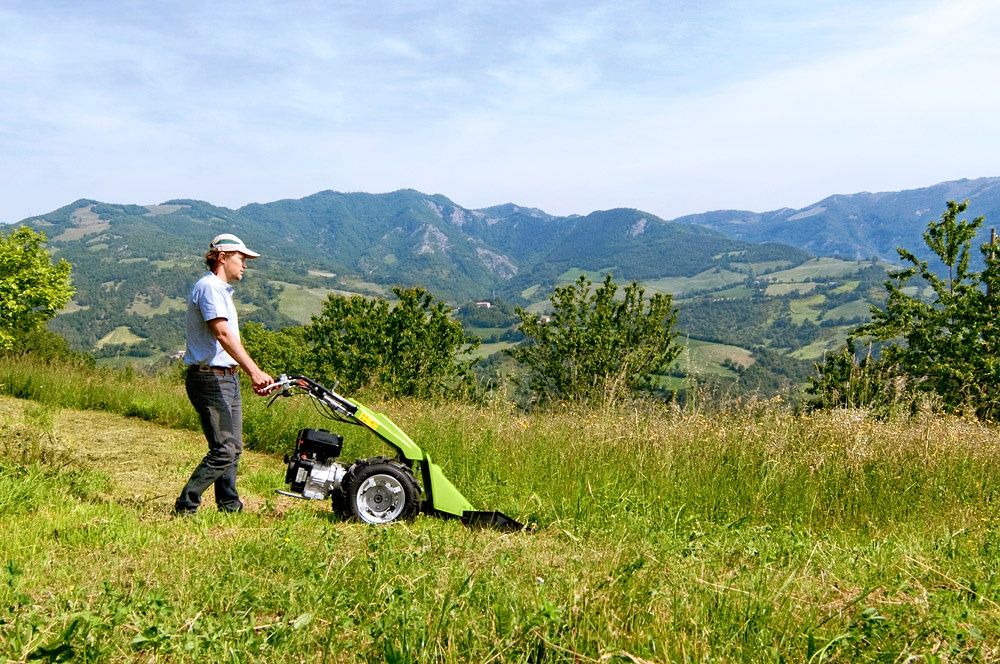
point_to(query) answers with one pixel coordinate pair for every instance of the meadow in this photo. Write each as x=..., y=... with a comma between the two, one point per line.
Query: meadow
x=656, y=534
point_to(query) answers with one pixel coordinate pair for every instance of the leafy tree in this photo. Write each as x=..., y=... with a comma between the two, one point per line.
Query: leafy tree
x=848, y=380
x=595, y=346
x=278, y=351
x=948, y=344
x=32, y=288
x=498, y=314
x=410, y=349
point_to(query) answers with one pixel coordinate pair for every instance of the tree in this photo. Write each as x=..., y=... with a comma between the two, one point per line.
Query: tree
x=32, y=288
x=410, y=349
x=595, y=346
x=278, y=351
x=947, y=343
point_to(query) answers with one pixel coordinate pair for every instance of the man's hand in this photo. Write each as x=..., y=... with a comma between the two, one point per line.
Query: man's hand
x=260, y=382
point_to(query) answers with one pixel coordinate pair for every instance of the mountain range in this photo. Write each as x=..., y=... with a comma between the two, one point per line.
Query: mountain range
x=789, y=281
x=860, y=226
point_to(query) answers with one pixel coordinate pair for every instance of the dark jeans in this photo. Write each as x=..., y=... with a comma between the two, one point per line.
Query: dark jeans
x=217, y=401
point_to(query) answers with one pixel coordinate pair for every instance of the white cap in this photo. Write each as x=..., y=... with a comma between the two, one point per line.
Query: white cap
x=229, y=242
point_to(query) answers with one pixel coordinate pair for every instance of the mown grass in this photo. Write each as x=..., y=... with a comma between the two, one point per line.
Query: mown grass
x=658, y=535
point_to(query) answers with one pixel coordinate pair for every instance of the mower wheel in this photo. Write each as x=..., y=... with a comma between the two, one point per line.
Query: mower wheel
x=380, y=491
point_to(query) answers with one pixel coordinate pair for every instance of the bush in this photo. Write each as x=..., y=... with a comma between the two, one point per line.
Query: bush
x=406, y=350
x=595, y=346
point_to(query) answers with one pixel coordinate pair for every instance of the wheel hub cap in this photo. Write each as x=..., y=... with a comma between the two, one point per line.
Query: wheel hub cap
x=380, y=499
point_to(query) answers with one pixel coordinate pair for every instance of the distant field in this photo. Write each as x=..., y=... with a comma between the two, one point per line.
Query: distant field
x=847, y=287
x=85, y=222
x=485, y=350
x=919, y=291
x=300, y=303
x=355, y=285
x=849, y=310
x=831, y=340
x=73, y=306
x=735, y=293
x=764, y=266
x=541, y=307
x=483, y=332
x=818, y=268
x=119, y=335
x=777, y=290
x=141, y=307
x=708, y=280
x=574, y=273
x=705, y=357
x=806, y=309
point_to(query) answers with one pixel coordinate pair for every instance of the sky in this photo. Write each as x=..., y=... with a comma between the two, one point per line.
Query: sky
x=670, y=107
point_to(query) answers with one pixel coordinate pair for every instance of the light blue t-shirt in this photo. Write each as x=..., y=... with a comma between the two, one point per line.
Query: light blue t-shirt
x=210, y=298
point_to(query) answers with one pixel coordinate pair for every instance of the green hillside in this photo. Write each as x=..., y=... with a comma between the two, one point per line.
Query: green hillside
x=133, y=267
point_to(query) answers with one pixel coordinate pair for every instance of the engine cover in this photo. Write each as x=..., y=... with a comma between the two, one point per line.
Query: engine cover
x=316, y=482
x=312, y=472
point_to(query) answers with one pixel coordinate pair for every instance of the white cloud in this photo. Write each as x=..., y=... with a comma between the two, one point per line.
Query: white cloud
x=676, y=108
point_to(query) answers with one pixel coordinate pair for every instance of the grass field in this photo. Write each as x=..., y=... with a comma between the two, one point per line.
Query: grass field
x=777, y=290
x=120, y=335
x=300, y=303
x=658, y=534
x=737, y=293
x=849, y=310
x=485, y=350
x=574, y=273
x=141, y=306
x=831, y=340
x=828, y=268
x=708, y=280
x=847, y=287
x=764, y=266
x=807, y=308
x=357, y=285
x=705, y=357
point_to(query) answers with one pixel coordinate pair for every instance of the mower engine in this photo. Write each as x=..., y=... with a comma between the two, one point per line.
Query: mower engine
x=313, y=472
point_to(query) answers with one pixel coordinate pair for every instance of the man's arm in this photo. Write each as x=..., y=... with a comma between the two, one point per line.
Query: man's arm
x=229, y=342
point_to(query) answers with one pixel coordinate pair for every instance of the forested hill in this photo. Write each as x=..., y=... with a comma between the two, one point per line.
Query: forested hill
x=743, y=303
x=404, y=237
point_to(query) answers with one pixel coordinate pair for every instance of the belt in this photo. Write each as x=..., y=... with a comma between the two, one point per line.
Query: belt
x=218, y=371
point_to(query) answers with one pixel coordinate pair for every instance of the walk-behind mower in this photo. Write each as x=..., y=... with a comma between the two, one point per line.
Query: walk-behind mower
x=376, y=490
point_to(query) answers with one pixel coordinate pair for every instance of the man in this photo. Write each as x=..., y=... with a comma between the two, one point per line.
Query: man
x=213, y=353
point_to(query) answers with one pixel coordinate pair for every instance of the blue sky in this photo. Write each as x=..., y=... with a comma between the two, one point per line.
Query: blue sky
x=671, y=107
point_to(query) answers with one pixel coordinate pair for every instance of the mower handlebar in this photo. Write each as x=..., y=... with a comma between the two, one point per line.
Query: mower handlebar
x=282, y=388
x=282, y=382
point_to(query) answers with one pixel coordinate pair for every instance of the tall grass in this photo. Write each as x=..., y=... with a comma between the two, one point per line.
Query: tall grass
x=658, y=535
x=155, y=398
